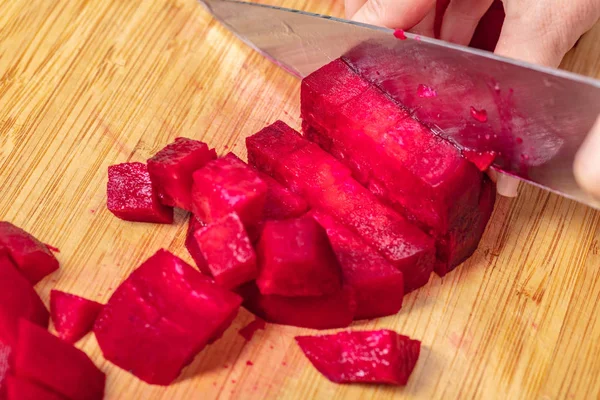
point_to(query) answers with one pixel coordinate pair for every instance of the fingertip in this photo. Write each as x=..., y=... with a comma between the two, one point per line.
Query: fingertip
x=507, y=186
x=586, y=167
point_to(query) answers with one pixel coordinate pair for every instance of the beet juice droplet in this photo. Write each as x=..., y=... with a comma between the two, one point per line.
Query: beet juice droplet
x=426, y=91
x=479, y=115
x=399, y=34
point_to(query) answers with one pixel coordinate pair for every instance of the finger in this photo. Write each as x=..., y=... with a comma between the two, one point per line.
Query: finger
x=394, y=14
x=461, y=19
x=352, y=6
x=587, y=163
x=426, y=26
x=507, y=186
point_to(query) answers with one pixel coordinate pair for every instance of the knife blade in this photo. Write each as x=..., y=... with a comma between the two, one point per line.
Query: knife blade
x=533, y=118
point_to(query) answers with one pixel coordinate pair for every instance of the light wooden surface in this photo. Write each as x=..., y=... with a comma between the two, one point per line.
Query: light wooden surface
x=89, y=83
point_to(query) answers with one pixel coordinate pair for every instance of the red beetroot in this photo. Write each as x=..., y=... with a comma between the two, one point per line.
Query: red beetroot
x=18, y=300
x=281, y=203
x=22, y=389
x=6, y=356
x=249, y=330
x=161, y=316
x=73, y=316
x=379, y=287
x=44, y=359
x=32, y=257
x=228, y=185
x=171, y=170
x=191, y=244
x=133, y=197
x=362, y=356
x=228, y=252
x=316, y=312
x=296, y=259
x=482, y=160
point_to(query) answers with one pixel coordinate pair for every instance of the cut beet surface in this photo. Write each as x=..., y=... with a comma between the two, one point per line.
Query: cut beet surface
x=328, y=186
x=281, y=203
x=171, y=170
x=22, y=389
x=227, y=250
x=44, y=359
x=249, y=330
x=296, y=259
x=132, y=196
x=32, y=257
x=73, y=316
x=378, y=285
x=316, y=312
x=362, y=356
x=191, y=244
x=228, y=185
x=18, y=300
x=161, y=316
x=482, y=160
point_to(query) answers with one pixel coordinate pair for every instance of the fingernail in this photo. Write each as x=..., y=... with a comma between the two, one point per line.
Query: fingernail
x=587, y=162
x=507, y=186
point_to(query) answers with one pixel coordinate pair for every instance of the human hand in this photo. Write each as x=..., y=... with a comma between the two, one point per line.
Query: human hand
x=587, y=163
x=536, y=31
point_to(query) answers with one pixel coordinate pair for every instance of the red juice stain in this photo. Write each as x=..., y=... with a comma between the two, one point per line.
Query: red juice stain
x=215, y=384
x=92, y=211
x=482, y=160
x=249, y=330
x=225, y=366
x=479, y=115
x=271, y=347
x=426, y=91
x=249, y=363
x=399, y=34
x=233, y=381
x=283, y=363
x=519, y=140
x=52, y=248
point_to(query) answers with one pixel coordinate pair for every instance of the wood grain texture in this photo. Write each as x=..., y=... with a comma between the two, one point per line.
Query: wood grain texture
x=89, y=83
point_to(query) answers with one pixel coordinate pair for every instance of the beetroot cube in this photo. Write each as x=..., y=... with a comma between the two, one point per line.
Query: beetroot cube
x=296, y=259
x=44, y=359
x=133, y=197
x=18, y=300
x=171, y=170
x=228, y=185
x=317, y=312
x=161, y=316
x=22, y=389
x=6, y=364
x=73, y=316
x=32, y=257
x=378, y=285
x=228, y=252
x=191, y=244
x=381, y=356
x=281, y=203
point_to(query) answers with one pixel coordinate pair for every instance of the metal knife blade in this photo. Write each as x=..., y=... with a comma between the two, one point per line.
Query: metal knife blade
x=533, y=118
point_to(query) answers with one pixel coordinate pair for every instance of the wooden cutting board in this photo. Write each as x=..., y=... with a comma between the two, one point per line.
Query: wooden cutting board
x=89, y=83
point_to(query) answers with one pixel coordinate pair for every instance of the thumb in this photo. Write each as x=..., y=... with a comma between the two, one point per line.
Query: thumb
x=587, y=163
x=394, y=14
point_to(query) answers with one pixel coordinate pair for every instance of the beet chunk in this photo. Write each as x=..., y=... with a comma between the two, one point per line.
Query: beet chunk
x=191, y=244
x=161, y=316
x=228, y=185
x=44, y=359
x=378, y=285
x=18, y=300
x=381, y=356
x=171, y=170
x=228, y=252
x=133, y=197
x=281, y=203
x=22, y=389
x=73, y=316
x=317, y=312
x=32, y=257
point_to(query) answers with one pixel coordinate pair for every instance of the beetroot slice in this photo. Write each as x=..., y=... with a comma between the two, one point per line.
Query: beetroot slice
x=379, y=287
x=161, y=316
x=73, y=316
x=171, y=170
x=44, y=359
x=228, y=252
x=228, y=185
x=296, y=259
x=281, y=203
x=22, y=389
x=191, y=244
x=133, y=197
x=381, y=356
x=6, y=366
x=18, y=300
x=316, y=312
x=32, y=257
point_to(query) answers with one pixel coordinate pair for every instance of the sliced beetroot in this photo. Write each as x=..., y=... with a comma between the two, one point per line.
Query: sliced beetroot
x=228, y=185
x=191, y=244
x=73, y=316
x=161, y=316
x=6, y=366
x=32, y=257
x=22, y=389
x=249, y=330
x=482, y=160
x=281, y=203
x=327, y=186
x=296, y=259
x=381, y=356
x=316, y=312
x=171, y=170
x=228, y=252
x=44, y=359
x=378, y=285
x=18, y=300
x=132, y=196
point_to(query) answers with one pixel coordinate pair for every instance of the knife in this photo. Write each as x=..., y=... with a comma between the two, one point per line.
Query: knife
x=532, y=118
